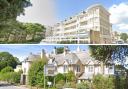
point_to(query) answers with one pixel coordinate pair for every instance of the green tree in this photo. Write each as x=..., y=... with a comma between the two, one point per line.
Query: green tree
x=60, y=50
x=17, y=32
x=36, y=73
x=70, y=76
x=107, y=53
x=7, y=59
x=35, y=30
x=10, y=9
x=59, y=77
x=124, y=36
x=7, y=69
x=102, y=53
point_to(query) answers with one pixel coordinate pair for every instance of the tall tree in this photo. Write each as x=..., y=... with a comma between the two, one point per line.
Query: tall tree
x=60, y=50
x=7, y=59
x=106, y=53
x=10, y=9
x=34, y=28
x=36, y=73
x=17, y=32
x=102, y=53
x=124, y=36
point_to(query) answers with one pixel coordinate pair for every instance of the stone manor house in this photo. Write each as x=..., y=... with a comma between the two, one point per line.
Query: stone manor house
x=79, y=61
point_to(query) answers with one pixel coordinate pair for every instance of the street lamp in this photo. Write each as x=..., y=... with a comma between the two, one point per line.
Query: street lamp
x=44, y=76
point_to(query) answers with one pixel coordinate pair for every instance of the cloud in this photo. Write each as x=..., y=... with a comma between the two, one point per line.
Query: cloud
x=42, y=11
x=123, y=26
x=119, y=16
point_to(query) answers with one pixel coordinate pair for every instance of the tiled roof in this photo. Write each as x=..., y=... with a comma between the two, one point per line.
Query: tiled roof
x=32, y=57
x=84, y=56
x=59, y=59
x=71, y=58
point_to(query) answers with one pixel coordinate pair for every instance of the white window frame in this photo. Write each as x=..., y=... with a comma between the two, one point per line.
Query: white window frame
x=90, y=68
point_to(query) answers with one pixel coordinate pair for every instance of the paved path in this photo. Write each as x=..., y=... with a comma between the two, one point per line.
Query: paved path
x=11, y=87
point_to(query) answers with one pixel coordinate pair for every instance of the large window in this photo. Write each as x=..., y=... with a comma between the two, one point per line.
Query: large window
x=111, y=69
x=90, y=69
x=77, y=68
x=65, y=68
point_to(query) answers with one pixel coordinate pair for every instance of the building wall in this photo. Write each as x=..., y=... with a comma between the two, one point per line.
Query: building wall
x=25, y=67
x=110, y=70
x=60, y=69
x=97, y=70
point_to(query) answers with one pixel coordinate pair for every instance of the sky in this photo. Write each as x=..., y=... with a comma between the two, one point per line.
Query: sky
x=49, y=12
x=22, y=51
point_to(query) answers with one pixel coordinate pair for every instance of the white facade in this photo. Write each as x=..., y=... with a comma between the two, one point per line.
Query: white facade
x=84, y=69
x=18, y=68
x=89, y=26
x=25, y=67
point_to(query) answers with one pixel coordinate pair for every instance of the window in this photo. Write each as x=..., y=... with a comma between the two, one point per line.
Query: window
x=77, y=68
x=24, y=70
x=111, y=70
x=110, y=67
x=83, y=23
x=65, y=68
x=90, y=68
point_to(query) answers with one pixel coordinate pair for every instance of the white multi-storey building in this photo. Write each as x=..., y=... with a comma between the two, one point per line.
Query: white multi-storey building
x=89, y=26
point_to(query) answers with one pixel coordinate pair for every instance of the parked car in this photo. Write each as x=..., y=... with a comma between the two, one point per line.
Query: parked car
x=120, y=42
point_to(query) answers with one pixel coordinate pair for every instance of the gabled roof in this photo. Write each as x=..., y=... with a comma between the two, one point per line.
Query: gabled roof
x=83, y=56
x=71, y=58
x=32, y=57
x=59, y=59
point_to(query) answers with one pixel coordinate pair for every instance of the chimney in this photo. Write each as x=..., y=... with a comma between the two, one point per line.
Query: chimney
x=66, y=50
x=31, y=53
x=54, y=51
x=42, y=53
x=78, y=49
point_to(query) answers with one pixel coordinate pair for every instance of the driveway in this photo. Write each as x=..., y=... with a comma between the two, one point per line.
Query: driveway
x=7, y=86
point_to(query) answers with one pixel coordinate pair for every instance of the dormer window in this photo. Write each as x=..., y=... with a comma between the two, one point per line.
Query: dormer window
x=90, y=68
x=70, y=17
x=65, y=68
x=77, y=68
x=84, y=12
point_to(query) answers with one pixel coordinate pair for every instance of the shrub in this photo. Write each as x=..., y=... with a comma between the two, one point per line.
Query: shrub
x=60, y=84
x=70, y=85
x=70, y=76
x=11, y=77
x=103, y=82
x=120, y=82
x=83, y=85
x=15, y=77
x=59, y=77
x=7, y=69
